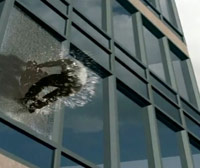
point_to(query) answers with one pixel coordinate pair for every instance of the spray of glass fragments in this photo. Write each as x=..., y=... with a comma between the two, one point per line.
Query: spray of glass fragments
x=25, y=41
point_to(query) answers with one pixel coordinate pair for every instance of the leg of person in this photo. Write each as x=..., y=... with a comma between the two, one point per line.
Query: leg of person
x=36, y=88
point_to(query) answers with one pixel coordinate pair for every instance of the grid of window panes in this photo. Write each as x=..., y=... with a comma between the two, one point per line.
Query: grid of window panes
x=79, y=136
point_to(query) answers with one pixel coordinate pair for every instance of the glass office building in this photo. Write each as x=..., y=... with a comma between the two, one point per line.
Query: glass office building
x=140, y=105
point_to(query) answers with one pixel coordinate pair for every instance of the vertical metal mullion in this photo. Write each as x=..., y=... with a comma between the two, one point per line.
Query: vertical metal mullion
x=152, y=139
x=111, y=132
x=59, y=116
x=194, y=91
x=7, y=8
x=168, y=63
x=185, y=151
x=139, y=37
x=107, y=25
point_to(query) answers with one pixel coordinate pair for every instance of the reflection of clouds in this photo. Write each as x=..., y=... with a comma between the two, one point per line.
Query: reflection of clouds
x=123, y=27
x=89, y=118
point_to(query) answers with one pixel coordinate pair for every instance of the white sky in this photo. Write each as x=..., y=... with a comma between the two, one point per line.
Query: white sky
x=189, y=12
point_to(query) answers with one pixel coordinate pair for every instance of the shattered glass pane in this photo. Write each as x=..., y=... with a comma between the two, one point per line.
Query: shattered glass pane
x=38, y=77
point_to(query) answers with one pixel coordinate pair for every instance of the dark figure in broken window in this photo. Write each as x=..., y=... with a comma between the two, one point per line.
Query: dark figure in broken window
x=68, y=82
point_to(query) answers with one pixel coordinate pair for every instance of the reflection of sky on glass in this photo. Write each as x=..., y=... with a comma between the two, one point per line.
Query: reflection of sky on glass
x=83, y=128
x=24, y=147
x=176, y=62
x=196, y=156
x=192, y=126
x=169, y=146
x=131, y=131
x=91, y=9
x=123, y=27
x=153, y=53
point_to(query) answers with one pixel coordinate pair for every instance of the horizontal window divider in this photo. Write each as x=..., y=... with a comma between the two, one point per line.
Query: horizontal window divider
x=17, y=159
x=130, y=55
x=51, y=6
x=172, y=26
x=162, y=82
x=167, y=119
x=192, y=118
x=193, y=136
x=165, y=97
x=99, y=30
x=28, y=132
x=131, y=70
x=152, y=7
x=190, y=105
x=77, y=159
x=132, y=94
x=41, y=22
x=108, y=51
x=103, y=72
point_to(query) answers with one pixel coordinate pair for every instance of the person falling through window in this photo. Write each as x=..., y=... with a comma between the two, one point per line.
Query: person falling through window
x=70, y=81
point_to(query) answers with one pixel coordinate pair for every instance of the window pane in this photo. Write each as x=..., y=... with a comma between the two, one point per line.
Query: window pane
x=192, y=126
x=43, y=11
x=179, y=75
x=169, y=146
x=83, y=125
x=91, y=9
x=167, y=11
x=166, y=106
x=130, y=79
x=66, y=163
x=196, y=155
x=123, y=27
x=25, y=147
x=190, y=110
x=26, y=44
x=163, y=88
x=153, y=52
x=128, y=61
x=90, y=48
x=89, y=29
x=131, y=132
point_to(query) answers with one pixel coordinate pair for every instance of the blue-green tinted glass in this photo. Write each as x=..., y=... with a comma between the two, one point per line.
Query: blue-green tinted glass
x=195, y=155
x=90, y=48
x=192, y=126
x=83, y=126
x=129, y=62
x=163, y=88
x=92, y=9
x=153, y=52
x=190, y=110
x=89, y=29
x=66, y=163
x=167, y=11
x=25, y=147
x=130, y=79
x=180, y=79
x=169, y=146
x=123, y=27
x=166, y=106
x=48, y=15
x=131, y=132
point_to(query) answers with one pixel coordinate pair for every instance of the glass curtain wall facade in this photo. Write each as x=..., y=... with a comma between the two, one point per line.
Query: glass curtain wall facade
x=139, y=107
